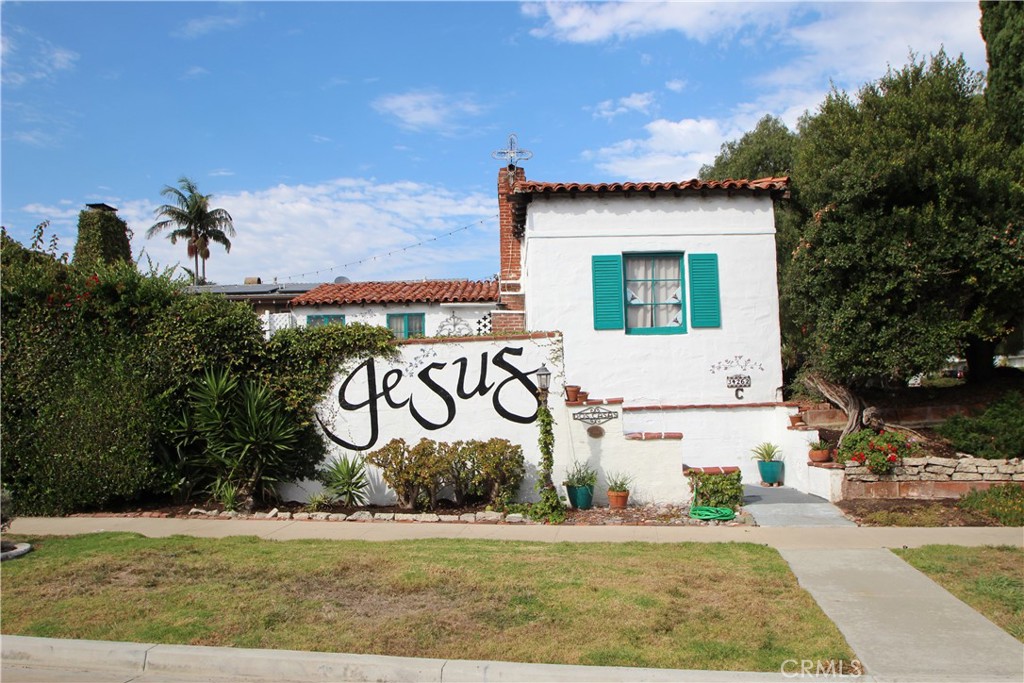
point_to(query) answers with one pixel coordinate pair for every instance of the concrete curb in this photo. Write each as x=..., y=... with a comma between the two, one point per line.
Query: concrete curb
x=318, y=667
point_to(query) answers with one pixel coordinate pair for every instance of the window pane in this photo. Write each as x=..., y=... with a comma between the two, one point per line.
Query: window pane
x=668, y=316
x=415, y=325
x=666, y=292
x=666, y=267
x=638, y=316
x=638, y=268
x=638, y=293
x=397, y=325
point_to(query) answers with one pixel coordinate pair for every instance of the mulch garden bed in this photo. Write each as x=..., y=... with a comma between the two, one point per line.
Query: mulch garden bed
x=911, y=512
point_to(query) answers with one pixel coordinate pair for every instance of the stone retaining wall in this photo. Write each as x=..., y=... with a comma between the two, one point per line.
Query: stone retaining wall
x=932, y=478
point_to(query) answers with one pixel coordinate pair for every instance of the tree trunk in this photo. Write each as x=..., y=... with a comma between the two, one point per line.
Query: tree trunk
x=979, y=353
x=851, y=403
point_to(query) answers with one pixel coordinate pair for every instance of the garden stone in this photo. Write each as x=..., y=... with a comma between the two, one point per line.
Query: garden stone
x=212, y=513
x=272, y=513
x=932, y=476
x=514, y=518
x=943, y=462
x=284, y=515
x=467, y=517
x=426, y=517
x=320, y=516
x=1007, y=469
x=197, y=511
x=361, y=516
x=448, y=518
x=382, y=516
x=1017, y=477
x=915, y=462
x=405, y=517
x=230, y=514
x=966, y=476
x=338, y=517
x=987, y=469
x=967, y=467
x=301, y=516
x=939, y=469
x=488, y=516
x=998, y=477
x=259, y=515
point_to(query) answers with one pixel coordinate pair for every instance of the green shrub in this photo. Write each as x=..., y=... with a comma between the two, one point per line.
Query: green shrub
x=716, y=490
x=1004, y=503
x=400, y=469
x=581, y=474
x=345, y=481
x=995, y=434
x=499, y=470
x=241, y=435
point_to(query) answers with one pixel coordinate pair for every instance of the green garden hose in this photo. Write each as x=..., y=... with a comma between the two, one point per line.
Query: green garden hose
x=705, y=512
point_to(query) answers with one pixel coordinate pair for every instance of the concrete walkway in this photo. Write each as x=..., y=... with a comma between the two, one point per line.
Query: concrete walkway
x=901, y=625
x=782, y=506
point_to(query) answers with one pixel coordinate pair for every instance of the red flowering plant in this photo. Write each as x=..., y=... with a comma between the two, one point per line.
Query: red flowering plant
x=880, y=452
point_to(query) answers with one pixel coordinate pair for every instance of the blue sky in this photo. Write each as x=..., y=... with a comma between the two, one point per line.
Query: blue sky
x=339, y=133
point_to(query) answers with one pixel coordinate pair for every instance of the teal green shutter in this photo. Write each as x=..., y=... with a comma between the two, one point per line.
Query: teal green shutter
x=705, y=300
x=608, y=293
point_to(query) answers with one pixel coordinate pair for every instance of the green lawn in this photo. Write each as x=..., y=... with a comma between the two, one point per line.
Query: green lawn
x=989, y=579
x=688, y=606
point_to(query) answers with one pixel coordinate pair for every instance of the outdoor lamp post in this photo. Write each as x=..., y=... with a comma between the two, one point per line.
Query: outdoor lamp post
x=543, y=383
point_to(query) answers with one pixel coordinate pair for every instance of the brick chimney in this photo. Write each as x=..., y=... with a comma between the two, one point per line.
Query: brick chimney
x=510, y=316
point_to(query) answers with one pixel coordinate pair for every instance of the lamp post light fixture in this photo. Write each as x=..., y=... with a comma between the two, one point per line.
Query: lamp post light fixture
x=543, y=383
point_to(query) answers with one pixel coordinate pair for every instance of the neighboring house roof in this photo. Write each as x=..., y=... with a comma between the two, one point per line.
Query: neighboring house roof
x=288, y=289
x=416, y=291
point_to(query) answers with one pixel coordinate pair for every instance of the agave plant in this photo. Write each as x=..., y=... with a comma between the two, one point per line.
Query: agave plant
x=346, y=480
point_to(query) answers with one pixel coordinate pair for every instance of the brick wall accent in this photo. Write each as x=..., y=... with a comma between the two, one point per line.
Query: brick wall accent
x=511, y=296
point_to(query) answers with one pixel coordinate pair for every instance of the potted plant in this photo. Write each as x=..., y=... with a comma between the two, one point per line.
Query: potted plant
x=618, y=490
x=579, y=484
x=572, y=392
x=767, y=465
x=820, y=451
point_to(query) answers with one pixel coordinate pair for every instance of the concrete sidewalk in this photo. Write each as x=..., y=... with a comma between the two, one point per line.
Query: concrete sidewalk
x=783, y=506
x=901, y=625
x=281, y=530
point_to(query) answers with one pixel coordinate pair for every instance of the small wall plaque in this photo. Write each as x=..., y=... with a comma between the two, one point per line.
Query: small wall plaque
x=595, y=431
x=595, y=415
x=737, y=381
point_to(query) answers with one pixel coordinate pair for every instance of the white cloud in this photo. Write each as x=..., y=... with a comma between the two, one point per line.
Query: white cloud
x=578, y=22
x=843, y=43
x=298, y=230
x=201, y=26
x=34, y=138
x=319, y=139
x=221, y=173
x=194, y=72
x=28, y=57
x=637, y=102
x=671, y=150
x=429, y=110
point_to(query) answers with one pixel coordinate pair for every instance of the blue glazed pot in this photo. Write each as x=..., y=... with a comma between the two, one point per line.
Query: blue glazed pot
x=580, y=497
x=770, y=471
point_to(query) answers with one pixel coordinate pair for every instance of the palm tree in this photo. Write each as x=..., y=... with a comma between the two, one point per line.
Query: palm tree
x=193, y=221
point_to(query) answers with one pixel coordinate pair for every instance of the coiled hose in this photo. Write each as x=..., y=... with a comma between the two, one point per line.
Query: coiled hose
x=706, y=512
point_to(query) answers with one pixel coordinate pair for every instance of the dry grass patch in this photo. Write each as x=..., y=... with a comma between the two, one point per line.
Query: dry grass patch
x=989, y=579
x=688, y=606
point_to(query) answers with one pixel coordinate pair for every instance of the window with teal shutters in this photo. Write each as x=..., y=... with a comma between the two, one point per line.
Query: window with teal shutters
x=705, y=299
x=608, y=296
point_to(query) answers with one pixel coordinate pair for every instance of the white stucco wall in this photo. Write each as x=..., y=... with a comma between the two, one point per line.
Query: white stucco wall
x=562, y=235
x=437, y=317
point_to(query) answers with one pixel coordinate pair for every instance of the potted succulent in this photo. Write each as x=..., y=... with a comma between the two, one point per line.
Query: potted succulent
x=820, y=451
x=767, y=465
x=618, y=490
x=579, y=484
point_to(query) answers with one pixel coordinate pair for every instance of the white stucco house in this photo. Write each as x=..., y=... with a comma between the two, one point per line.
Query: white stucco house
x=658, y=299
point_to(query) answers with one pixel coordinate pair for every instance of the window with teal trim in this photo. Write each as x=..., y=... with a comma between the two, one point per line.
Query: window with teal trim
x=407, y=325
x=320, y=320
x=654, y=293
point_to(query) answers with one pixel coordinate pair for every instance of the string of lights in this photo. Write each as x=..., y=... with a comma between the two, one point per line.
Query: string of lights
x=392, y=252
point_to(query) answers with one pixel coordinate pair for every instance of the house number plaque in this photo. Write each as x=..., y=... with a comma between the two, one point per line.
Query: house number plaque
x=739, y=383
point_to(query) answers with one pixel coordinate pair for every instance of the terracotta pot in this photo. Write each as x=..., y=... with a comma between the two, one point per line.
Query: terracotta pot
x=820, y=456
x=582, y=395
x=796, y=420
x=617, y=499
x=572, y=392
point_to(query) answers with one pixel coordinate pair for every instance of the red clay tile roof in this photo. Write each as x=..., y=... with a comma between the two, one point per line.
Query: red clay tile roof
x=414, y=291
x=535, y=187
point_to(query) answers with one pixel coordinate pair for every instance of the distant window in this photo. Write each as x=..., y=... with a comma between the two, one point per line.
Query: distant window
x=320, y=320
x=654, y=293
x=407, y=325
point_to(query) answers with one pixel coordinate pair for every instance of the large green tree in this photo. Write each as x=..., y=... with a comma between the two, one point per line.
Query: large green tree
x=1002, y=27
x=913, y=248
x=190, y=218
